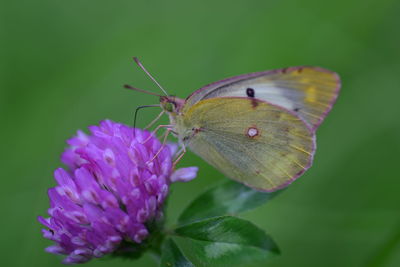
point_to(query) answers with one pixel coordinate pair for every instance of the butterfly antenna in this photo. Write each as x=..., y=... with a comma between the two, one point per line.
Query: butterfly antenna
x=136, y=111
x=127, y=86
x=148, y=74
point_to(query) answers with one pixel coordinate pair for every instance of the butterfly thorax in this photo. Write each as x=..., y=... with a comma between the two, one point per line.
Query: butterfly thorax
x=173, y=106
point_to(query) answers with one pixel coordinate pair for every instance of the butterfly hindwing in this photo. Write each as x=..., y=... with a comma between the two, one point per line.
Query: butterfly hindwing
x=308, y=91
x=254, y=142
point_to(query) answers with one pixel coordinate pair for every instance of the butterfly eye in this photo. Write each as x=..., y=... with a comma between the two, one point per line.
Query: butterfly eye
x=169, y=106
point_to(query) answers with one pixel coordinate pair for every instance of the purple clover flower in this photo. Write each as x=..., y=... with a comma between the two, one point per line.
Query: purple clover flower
x=115, y=186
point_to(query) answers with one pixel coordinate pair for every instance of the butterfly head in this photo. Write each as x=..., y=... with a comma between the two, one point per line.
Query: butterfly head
x=171, y=104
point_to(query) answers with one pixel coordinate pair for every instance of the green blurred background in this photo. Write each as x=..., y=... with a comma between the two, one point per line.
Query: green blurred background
x=63, y=64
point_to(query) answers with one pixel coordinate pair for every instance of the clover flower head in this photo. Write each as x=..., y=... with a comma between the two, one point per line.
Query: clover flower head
x=116, y=183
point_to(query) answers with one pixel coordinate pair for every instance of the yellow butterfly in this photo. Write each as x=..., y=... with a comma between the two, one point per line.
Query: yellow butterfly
x=258, y=128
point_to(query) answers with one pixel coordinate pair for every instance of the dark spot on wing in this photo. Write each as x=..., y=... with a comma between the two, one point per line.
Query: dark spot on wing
x=250, y=92
x=284, y=70
x=296, y=109
x=299, y=70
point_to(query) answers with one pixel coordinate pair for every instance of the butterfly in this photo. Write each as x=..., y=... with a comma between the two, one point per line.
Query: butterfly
x=258, y=128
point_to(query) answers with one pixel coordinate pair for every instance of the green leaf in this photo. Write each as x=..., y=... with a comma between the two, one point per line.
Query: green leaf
x=228, y=229
x=225, y=241
x=172, y=255
x=228, y=198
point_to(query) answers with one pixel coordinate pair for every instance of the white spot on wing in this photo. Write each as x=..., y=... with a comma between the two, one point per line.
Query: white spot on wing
x=252, y=132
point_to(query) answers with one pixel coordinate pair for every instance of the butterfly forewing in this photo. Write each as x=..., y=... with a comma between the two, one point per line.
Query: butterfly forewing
x=308, y=91
x=254, y=142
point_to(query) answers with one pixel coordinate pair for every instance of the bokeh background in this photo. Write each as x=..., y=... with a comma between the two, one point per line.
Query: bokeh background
x=63, y=64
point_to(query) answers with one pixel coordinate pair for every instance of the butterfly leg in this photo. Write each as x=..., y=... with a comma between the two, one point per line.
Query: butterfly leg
x=153, y=133
x=181, y=153
x=163, y=144
x=154, y=121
